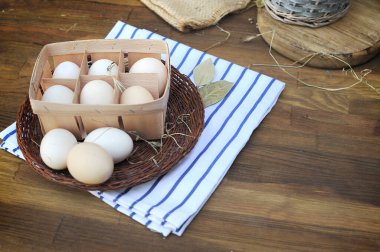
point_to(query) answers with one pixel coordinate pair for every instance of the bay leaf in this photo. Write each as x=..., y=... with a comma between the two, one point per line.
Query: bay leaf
x=204, y=73
x=214, y=92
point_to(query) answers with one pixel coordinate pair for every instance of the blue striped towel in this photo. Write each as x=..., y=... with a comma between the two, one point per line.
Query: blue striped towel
x=169, y=203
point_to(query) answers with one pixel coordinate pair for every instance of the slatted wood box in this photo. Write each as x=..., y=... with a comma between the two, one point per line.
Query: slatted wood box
x=147, y=120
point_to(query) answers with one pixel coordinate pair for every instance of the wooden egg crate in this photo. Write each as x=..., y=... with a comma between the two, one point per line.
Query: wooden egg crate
x=147, y=120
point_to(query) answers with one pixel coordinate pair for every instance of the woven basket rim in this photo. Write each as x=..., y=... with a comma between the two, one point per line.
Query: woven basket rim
x=184, y=98
x=308, y=13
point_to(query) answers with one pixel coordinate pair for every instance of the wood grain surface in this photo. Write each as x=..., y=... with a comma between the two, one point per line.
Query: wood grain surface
x=308, y=179
x=355, y=38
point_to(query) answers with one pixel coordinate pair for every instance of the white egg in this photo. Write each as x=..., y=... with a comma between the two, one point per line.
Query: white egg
x=103, y=67
x=66, y=70
x=152, y=65
x=115, y=141
x=55, y=147
x=136, y=95
x=89, y=163
x=96, y=92
x=58, y=94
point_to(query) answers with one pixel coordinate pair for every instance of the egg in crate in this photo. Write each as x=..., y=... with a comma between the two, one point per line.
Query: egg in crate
x=97, y=92
x=103, y=67
x=136, y=95
x=66, y=70
x=58, y=94
x=152, y=65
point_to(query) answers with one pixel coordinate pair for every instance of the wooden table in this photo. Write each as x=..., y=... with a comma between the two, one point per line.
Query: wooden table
x=308, y=179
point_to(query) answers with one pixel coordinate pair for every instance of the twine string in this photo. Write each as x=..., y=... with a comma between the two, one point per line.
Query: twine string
x=359, y=77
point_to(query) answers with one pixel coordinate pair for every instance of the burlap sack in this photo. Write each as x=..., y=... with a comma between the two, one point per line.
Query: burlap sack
x=195, y=14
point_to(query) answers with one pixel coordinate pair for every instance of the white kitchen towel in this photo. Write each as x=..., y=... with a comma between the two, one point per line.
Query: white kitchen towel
x=169, y=203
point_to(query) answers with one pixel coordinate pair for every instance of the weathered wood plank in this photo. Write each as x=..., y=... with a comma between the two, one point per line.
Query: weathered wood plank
x=307, y=180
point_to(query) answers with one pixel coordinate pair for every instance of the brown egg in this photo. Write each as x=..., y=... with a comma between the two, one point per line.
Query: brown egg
x=89, y=163
x=136, y=95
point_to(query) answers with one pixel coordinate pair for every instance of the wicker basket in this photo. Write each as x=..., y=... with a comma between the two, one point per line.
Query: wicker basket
x=311, y=13
x=185, y=114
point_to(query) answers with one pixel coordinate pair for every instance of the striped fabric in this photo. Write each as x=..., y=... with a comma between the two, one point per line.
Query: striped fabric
x=169, y=203
x=10, y=141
